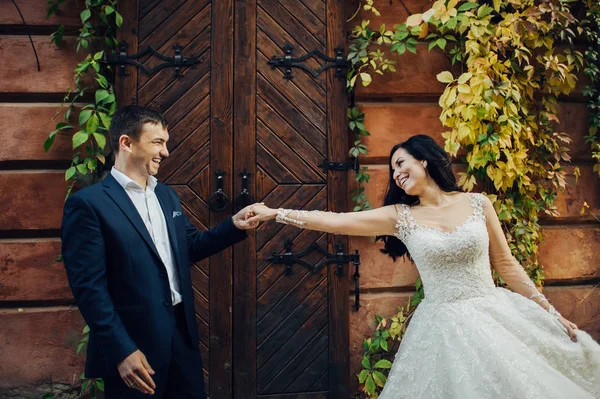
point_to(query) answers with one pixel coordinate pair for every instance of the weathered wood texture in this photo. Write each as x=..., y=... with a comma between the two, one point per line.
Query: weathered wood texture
x=29, y=271
x=393, y=123
x=293, y=325
x=244, y=266
x=26, y=127
x=19, y=72
x=339, y=335
x=38, y=346
x=221, y=151
x=34, y=13
x=31, y=200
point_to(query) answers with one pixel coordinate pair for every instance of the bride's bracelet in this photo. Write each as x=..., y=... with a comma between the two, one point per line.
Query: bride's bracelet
x=539, y=297
x=283, y=216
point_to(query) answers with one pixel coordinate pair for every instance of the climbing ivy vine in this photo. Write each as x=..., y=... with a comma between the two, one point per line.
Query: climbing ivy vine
x=87, y=110
x=92, y=95
x=512, y=60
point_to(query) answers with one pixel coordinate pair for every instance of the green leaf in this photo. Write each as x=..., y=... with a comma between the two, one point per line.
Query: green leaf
x=86, y=329
x=101, y=95
x=92, y=124
x=84, y=116
x=63, y=126
x=108, y=10
x=79, y=138
x=441, y=42
x=105, y=119
x=79, y=348
x=383, y=364
x=102, y=81
x=363, y=376
x=484, y=10
x=92, y=164
x=379, y=378
x=384, y=345
x=370, y=385
x=445, y=77
x=100, y=139
x=118, y=19
x=49, y=141
x=70, y=173
x=468, y=6
x=82, y=168
x=100, y=384
x=366, y=363
x=85, y=15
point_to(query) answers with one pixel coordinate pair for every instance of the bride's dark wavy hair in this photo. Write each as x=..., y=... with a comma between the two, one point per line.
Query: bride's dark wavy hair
x=422, y=148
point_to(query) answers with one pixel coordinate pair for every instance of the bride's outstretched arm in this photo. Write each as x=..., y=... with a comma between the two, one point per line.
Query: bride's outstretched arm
x=380, y=221
x=511, y=271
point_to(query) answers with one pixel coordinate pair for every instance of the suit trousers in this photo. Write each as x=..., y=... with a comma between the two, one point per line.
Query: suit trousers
x=181, y=378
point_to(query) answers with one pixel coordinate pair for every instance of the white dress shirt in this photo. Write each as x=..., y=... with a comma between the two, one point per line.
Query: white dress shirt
x=151, y=212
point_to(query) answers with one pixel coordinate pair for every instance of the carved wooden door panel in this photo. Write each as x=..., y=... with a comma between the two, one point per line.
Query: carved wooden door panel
x=262, y=333
x=290, y=331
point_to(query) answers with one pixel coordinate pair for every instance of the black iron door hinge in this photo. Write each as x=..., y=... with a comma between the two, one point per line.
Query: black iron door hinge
x=339, y=258
x=177, y=61
x=330, y=165
x=288, y=62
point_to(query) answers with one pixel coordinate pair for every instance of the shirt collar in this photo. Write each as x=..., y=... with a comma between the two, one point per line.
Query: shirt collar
x=126, y=182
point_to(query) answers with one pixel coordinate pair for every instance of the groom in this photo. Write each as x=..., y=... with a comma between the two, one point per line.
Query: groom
x=127, y=248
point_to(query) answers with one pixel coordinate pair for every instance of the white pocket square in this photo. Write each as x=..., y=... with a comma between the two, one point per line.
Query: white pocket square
x=175, y=214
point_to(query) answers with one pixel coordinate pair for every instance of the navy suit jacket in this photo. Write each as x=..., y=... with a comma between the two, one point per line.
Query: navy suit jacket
x=117, y=277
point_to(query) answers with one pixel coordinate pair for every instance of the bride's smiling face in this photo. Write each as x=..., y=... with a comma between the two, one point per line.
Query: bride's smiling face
x=408, y=173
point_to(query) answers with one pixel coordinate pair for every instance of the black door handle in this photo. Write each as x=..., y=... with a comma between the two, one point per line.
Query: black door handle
x=244, y=199
x=218, y=200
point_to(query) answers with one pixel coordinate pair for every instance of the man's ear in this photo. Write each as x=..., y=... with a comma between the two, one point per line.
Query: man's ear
x=125, y=143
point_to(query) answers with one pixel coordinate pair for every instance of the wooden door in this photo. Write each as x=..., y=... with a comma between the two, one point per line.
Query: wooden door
x=262, y=333
x=290, y=331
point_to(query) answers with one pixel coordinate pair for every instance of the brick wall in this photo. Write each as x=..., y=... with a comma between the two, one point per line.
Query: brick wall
x=39, y=330
x=399, y=105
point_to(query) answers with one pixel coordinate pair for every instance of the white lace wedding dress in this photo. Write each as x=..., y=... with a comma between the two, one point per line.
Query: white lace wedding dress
x=470, y=339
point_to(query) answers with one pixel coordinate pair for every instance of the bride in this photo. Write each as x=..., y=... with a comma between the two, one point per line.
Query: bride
x=467, y=338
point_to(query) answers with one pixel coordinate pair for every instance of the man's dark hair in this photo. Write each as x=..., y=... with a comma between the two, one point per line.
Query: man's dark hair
x=129, y=121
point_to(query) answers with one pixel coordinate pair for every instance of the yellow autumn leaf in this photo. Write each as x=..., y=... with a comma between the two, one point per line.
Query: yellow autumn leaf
x=445, y=77
x=414, y=20
x=365, y=78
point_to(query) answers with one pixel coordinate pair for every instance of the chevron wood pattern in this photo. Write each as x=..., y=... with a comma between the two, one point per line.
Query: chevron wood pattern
x=291, y=126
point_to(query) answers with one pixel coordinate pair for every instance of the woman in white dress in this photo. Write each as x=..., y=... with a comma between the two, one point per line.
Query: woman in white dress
x=467, y=338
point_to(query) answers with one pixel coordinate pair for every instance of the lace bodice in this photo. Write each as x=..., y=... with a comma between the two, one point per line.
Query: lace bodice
x=453, y=264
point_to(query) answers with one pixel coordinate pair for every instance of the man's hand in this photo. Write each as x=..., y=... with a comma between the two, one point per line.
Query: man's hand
x=239, y=219
x=136, y=372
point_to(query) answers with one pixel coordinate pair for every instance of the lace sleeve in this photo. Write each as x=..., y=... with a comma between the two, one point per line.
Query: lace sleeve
x=374, y=222
x=507, y=266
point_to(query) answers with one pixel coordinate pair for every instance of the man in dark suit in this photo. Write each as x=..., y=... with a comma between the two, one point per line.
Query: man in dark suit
x=127, y=247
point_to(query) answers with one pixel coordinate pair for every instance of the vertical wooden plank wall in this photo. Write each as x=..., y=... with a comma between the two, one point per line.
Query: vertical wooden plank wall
x=38, y=343
x=399, y=105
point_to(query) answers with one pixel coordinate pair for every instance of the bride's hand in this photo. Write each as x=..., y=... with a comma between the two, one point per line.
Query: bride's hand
x=571, y=328
x=260, y=213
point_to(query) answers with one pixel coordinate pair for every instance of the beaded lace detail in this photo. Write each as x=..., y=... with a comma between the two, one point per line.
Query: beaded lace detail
x=453, y=264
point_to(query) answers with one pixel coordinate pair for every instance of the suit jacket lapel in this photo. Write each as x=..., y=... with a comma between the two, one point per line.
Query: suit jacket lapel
x=168, y=212
x=118, y=194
